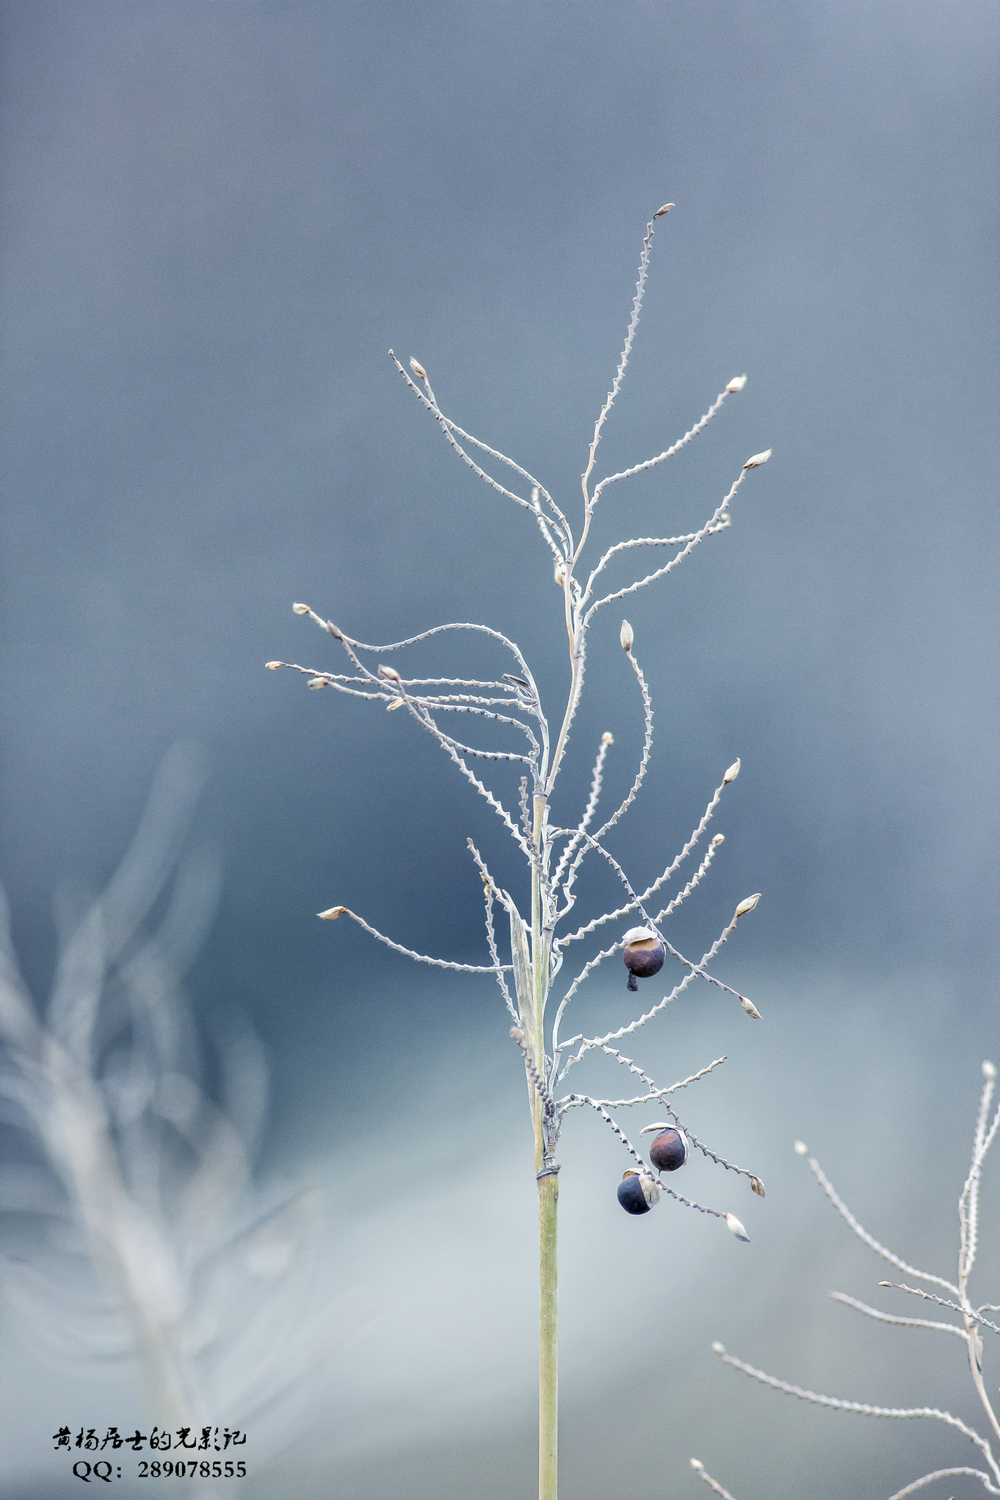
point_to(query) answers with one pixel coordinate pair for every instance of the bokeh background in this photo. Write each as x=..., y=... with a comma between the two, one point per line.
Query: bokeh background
x=218, y=215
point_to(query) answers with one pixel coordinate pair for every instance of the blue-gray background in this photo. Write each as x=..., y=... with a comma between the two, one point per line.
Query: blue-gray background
x=217, y=217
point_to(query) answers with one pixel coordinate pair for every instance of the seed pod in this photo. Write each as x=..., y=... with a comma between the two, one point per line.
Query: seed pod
x=643, y=955
x=669, y=1149
x=735, y=1227
x=637, y=1192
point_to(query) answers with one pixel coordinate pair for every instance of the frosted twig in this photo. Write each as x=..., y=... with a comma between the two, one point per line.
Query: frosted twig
x=918, y=1484
x=413, y=640
x=447, y=428
x=869, y=1240
x=655, y=1096
x=713, y=1484
x=446, y=740
x=671, y=869
x=647, y=745
x=884, y=1317
x=968, y=1203
x=967, y=1312
x=588, y=813
x=862, y=1407
x=636, y=541
x=423, y=958
x=498, y=969
x=667, y=453
x=718, y=521
x=537, y=488
x=613, y=1036
x=640, y=288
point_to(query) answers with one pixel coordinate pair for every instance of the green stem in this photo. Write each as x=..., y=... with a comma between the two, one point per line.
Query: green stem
x=548, y=1199
x=548, y=1372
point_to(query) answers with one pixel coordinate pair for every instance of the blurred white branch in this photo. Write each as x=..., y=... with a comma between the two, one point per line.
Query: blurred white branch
x=202, y=1279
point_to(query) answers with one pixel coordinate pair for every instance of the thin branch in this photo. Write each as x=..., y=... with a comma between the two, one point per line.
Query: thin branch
x=647, y=745
x=967, y=1312
x=596, y=782
x=713, y=1484
x=869, y=1240
x=537, y=487
x=883, y=1317
x=918, y=1484
x=862, y=1407
x=423, y=958
x=668, y=452
x=613, y=1036
x=446, y=427
x=489, y=891
x=671, y=869
x=640, y=288
x=968, y=1203
x=717, y=522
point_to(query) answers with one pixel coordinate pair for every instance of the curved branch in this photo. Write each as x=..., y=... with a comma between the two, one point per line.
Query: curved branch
x=423, y=958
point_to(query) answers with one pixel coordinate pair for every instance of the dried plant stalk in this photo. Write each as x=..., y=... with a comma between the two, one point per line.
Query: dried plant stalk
x=554, y=853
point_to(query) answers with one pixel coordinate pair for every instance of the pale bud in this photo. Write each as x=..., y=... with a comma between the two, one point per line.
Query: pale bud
x=317, y=682
x=272, y=666
x=737, y=383
x=696, y=1463
x=301, y=609
x=885, y=1283
x=626, y=636
x=757, y=1187
x=517, y=1034
x=390, y=674
x=758, y=459
x=732, y=773
x=332, y=629
x=332, y=913
x=801, y=1149
x=559, y=572
x=396, y=703
x=989, y=1070
x=720, y=838
x=747, y=904
x=665, y=209
x=718, y=1348
x=607, y=738
x=417, y=368
x=750, y=1009
x=735, y=1227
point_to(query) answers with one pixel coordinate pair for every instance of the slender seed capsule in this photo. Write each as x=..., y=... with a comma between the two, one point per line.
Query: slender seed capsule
x=643, y=955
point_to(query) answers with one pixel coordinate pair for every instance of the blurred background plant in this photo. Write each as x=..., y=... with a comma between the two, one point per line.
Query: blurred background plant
x=132, y=1227
x=968, y=1327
